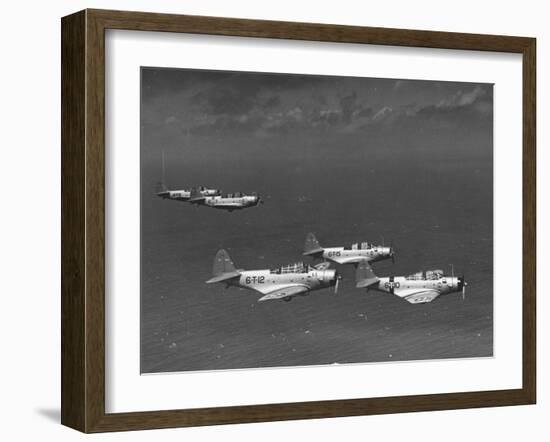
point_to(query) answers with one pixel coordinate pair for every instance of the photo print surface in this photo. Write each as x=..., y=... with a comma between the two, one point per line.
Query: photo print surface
x=301, y=220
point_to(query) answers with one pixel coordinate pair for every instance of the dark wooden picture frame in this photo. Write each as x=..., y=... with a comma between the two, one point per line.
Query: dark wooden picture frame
x=83, y=220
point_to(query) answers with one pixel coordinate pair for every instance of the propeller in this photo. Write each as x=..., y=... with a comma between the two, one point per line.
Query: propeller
x=462, y=283
x=259, y=199
x=338, y=278
x=392, y=252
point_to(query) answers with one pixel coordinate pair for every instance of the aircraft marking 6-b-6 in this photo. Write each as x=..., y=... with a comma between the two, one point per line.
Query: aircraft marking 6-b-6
x=418, y=288
x=281, y=283
x=352, y=255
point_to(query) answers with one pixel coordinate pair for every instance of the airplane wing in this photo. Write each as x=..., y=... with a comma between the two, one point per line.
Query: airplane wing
x=197, y=200
x=417, y=296
x=349, y=259
x=322, y=266
x=285, y=292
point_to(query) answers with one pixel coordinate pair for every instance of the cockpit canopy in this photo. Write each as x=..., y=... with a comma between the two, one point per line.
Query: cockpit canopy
x=361, y=246
x=298, y=267
x=234, y=195
x=426, y=275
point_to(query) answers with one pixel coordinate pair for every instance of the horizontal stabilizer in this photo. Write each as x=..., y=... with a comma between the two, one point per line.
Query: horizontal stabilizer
x=314, y=252
x=364, y=276
x=224, y=277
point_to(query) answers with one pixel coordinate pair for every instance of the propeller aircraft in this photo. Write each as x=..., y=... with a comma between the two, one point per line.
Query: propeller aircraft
x=281, y=283
x=344, y=255
x=418, y=288
x=229, y=202
x=183, y=194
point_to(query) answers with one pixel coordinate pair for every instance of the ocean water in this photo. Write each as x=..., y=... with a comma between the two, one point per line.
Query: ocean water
x=429, y=194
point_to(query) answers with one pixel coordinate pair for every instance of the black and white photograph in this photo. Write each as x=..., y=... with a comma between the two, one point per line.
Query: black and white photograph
x=292, y=220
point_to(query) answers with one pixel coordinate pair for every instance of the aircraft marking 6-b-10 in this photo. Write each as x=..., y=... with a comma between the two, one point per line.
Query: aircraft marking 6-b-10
x=352, y=255
x=281, y=283
x=418, y=288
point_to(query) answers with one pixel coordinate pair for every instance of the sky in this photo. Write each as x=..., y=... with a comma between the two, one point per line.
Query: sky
x=263, y=105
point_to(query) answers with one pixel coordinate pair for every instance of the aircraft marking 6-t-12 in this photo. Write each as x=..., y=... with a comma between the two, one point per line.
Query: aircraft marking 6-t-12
x=282, y=283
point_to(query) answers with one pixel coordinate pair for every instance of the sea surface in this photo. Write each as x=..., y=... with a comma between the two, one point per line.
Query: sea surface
x=430, y=196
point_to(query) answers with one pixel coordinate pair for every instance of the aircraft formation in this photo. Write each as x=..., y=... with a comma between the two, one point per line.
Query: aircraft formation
x=208, y=197
x=203, y=196
x=300, y=279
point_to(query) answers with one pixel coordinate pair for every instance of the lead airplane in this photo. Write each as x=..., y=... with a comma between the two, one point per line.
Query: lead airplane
x=347, y=255
x=418, y=288
x=281, y=283
x=229, y=202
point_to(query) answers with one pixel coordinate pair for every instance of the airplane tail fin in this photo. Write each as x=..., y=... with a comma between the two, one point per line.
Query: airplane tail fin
x=364, y=276
x=196, y=196
x=223, y=268
x=312, y=246
x=161, y=187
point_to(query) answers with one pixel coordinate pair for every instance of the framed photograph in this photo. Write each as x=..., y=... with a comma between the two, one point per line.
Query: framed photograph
x=269, y=220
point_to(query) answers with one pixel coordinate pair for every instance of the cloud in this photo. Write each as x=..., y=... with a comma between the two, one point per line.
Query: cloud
x=476, y=102
x=267, y=104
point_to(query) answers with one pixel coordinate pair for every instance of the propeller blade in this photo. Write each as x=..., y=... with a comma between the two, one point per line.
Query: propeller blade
x=464, y=284
x=336, y=285
x=392, y=252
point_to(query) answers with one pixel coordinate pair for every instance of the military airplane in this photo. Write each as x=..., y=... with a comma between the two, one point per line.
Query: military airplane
x=418, y=288
x=229, y=202
x=183, y=194
x=281, y=283
x=352, y=255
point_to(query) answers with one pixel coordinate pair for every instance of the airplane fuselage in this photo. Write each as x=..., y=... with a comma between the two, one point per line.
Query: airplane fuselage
x=184, y=195
x=231, y=203
x=342, y=255
x=266, y=280
x=417, y=291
